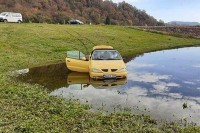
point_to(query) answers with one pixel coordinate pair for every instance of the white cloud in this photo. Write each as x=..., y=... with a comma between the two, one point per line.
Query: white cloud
x=173, y=85
x=197, y=66
x=189, y=82
x=147, y=77
x=161, y=87
x=139, y=65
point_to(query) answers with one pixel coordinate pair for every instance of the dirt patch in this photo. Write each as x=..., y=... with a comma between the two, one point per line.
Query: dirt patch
x=175, y=30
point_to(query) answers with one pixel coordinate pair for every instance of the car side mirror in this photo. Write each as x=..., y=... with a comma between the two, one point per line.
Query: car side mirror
x=84, y=59
x=86, y=85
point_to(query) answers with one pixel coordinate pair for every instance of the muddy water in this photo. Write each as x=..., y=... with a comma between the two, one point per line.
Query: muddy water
x=158, y=83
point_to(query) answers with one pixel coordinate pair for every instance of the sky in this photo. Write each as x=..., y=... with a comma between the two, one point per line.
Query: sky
x=169, y=10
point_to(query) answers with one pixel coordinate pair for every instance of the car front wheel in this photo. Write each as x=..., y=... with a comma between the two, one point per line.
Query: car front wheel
x=19, y=21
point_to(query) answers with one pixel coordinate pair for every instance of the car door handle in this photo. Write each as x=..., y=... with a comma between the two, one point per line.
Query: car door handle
x=68, y=60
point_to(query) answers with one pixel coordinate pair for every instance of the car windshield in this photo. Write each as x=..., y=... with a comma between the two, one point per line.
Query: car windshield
x=106, y=55
x=3, y=13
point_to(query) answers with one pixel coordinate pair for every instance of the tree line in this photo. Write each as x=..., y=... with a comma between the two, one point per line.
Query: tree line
x=88, y=11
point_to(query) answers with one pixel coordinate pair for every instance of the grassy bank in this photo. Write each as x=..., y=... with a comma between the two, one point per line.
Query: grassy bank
x=28, y=108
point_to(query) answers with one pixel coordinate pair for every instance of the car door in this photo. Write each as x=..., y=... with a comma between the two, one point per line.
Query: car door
x=15, y=17
x=77, y=62
x=78, y=78
x=9, y=17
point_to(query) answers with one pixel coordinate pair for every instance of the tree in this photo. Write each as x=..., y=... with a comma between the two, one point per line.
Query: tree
x=160, y=23
x=108, y=22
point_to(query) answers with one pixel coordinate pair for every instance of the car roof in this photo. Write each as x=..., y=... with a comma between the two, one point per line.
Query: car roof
x=75, y=20
x=11, y=12
x=102, y=47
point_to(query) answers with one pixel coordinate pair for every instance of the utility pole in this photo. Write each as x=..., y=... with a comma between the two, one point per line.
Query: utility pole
x=90, y=5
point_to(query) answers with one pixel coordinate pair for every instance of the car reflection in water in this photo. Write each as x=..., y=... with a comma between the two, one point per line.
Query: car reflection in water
x=53, y=77
x=84, y=80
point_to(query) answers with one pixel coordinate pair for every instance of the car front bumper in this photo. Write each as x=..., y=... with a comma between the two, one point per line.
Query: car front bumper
x=1, y=19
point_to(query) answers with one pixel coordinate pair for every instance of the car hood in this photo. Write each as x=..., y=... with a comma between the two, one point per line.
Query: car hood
x=108, y=64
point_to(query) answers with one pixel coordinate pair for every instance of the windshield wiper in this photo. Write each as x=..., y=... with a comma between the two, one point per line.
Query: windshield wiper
x=112, y=59
x=106, y=59
x=98, y=59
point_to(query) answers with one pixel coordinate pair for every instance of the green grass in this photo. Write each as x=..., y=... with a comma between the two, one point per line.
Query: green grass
x=29, y=108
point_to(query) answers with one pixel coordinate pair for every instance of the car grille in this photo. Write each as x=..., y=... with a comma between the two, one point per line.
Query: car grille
x=105, y=85
x=104, y=70
x=113, y=70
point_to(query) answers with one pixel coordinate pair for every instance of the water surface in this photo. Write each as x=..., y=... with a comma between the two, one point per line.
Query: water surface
x=158, y=84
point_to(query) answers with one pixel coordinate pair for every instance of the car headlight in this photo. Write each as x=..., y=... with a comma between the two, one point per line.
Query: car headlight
x=96, y=70
x=122, y=70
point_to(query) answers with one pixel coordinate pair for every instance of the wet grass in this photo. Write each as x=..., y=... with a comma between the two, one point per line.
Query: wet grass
x=29, y=108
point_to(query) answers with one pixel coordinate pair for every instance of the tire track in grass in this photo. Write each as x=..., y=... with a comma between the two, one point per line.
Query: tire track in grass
x=81, y=40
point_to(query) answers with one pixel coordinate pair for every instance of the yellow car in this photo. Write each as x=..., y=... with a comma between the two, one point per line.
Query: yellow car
x=104, y=62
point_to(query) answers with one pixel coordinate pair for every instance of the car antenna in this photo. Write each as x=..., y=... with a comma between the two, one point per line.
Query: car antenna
x=86, y=38
x=84, y=45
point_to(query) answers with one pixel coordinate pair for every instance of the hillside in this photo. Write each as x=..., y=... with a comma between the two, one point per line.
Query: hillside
x=94, y=11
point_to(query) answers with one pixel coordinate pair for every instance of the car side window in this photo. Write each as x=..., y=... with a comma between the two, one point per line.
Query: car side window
x=75, y=55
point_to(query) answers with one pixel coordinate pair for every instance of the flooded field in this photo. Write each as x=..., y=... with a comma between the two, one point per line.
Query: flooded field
x=163, y=84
